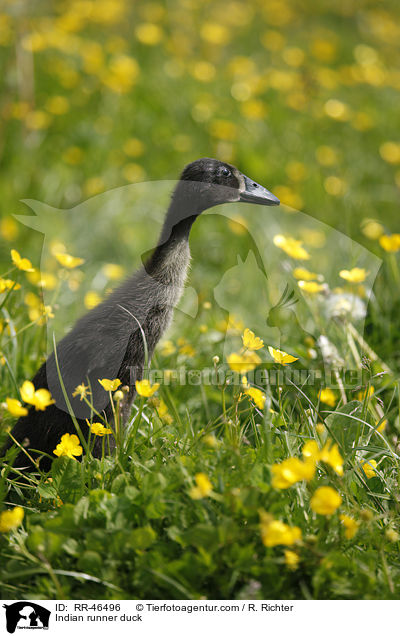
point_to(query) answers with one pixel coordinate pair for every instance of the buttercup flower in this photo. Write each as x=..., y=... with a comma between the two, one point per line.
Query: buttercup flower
x=390, y=243
x=355, y=275
x=203, y=487
x=243, y=362
x=22, y=263
x=351, y=526
x=11, y=519
x=98, y=429
x=7, y=283
x=168, y=348
x=81, y=390
x=329, y=454
x=311, y=287
x=110, y=385
x=290, y=471
x=301, y=273
x=291, y=559
x=369, y=468
x=40, y=398
x=274, y=532
x=257, y=396
x=69, y=447
x=15, y=407
x=68, y=261
x=328, y=397
x=325, y=501
x=251, y=341
x=281, y=357
x=382, y=426
x=144, y=388
x=291, y=247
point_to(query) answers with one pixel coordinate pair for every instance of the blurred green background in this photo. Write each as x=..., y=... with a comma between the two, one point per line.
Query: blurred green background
x=302, y=96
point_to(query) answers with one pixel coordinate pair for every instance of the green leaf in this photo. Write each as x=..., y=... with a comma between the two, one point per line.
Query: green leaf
x=344, y=424
x=142, y=538
x=67, y=477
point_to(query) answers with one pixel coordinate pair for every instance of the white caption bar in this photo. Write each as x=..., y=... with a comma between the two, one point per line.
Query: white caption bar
x=193, y=617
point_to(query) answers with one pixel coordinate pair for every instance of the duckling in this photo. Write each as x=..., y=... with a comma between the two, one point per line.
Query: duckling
x=115, y=338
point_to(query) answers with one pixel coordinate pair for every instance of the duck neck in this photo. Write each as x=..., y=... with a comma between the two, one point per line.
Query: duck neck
x=173, y=244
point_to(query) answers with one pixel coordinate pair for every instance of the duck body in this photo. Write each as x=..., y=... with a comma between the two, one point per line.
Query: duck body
x=111, y=340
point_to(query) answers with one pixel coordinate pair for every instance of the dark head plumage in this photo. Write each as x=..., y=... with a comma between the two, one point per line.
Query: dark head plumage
x=211, y=182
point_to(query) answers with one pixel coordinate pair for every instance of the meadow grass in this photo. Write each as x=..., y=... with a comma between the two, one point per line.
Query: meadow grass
x=213, y=492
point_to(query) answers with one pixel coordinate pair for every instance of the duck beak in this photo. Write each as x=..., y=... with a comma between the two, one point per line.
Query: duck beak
x=255, y=193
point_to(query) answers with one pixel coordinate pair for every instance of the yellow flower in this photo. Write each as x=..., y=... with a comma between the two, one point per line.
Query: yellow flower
x=291, y=559
x=275, y=532
x=40, y=398
x=22, y=263
x=281, y=357
x=390, y=152
x=243, y=362
x=98, y=429
x=144, y=388
x=372, y=229
x=288, y=196
x=68, y=447
x=390, y=243
x=257, y=396
x=355, y=275
x=291, y=247
x=122, y=74
x=168, y=348
x=211, y=441
x=8, y=228
x=369, y=468
x=214, y=33
x=367, y=394
x=234, y=324
x=203, y=487
x=329, y=454
x=311, y=287
x=311, y=450
x=290, y=471
x=186, y=349
x=325, y=500
x=251, y=341
x=328, y=397
x=148, y=33
x=301, y=273
x=351, y=526
x=68, y=261
x=7, y=283
x=11, y=519
x=382, y=426
x=92, y=299
x=15, y=407
x=113, y=271
x=82, y=391
x=162, y=409
x=110, y=385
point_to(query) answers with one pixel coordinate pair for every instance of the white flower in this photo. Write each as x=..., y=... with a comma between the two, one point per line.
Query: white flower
x=345, y=306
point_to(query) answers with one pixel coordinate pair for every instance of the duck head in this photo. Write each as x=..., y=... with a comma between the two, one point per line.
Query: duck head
x=210, y=182
x=204, y=184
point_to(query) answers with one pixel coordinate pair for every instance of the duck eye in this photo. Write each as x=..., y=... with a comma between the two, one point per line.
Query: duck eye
x=226, y=172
